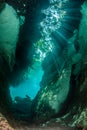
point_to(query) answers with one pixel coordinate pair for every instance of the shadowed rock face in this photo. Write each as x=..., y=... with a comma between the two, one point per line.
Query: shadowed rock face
x=49, y=101
x=9, y=38
x=11, y=61
x=8, y=42
x=22, y=108
x=2, y=5
x=54, y=96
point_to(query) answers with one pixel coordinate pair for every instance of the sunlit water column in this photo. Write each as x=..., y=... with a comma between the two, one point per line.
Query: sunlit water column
x=52, y=22
x=31, y=85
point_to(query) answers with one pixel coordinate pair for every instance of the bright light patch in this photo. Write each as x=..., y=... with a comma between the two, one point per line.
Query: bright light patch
x=31, y=84
x=54, y=14
x=42, y=49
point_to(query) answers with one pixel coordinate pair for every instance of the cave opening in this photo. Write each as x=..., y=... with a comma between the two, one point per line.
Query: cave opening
x=41, y=84
x=31, y=85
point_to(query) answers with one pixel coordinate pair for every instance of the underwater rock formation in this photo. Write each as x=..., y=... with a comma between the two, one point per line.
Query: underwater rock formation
x=79, y=105
x=22, y=108
x=13, y=63
x=76, y=114
x=65, y=92
x=9, y=31
x=52, y=99
x=4, y=125
x=15, y=48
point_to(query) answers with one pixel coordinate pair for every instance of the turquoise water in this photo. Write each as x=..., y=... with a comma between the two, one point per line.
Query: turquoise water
x=31, y=85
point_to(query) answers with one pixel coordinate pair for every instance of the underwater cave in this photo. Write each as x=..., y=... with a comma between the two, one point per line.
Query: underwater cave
x=43, y=64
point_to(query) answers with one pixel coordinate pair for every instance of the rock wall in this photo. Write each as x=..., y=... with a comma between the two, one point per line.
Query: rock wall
x=66, y=93
x=9, y=31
